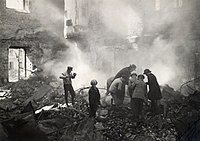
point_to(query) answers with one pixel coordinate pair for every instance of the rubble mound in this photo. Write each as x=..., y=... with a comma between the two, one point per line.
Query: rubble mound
x=179, y=120
x=40, y=90
x=120, y=125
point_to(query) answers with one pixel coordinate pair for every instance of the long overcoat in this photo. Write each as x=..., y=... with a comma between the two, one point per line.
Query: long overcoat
x=154, y=88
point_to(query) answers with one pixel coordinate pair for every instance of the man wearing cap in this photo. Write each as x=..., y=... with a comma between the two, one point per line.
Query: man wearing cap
x=68, y=88
x=117, y=90
x=154, y=93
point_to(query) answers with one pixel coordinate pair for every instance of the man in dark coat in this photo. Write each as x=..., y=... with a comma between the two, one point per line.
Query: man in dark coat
x=125, y=72
x=154, y=93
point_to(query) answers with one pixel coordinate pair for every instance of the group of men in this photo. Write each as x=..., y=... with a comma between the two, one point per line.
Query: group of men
x=137, y=89
x=116, y=87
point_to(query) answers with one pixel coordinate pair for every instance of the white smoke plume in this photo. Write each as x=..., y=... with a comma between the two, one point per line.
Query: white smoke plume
x=79, y=61
x=119, y=17
x=123, y=19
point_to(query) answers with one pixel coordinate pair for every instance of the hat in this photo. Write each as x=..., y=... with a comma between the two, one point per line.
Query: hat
x=133, y=73
x=70, y=68
x=93, y=82
x=146, y=71
x=133, y=66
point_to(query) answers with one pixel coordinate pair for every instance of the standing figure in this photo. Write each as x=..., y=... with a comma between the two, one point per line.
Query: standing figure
x=94, y=98
x=67, y=81
x=131, y=83
x=117, y=90
x=138, y=96
x=154, y=94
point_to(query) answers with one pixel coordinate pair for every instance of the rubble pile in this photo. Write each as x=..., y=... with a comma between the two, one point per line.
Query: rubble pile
x=120, y=125
x=55, y=123
x=182, y=116
x=40, y=90
x=61, y=123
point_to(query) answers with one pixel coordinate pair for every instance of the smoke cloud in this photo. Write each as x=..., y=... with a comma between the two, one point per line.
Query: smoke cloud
x=74, y=57
x=119, y=17
x=162, y=55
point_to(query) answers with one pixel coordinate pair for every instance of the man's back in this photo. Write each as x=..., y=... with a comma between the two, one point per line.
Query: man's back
x=116, y=85
x=125, y=71
x=94, y=95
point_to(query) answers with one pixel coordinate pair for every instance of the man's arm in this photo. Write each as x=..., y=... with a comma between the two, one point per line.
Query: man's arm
x=119, y=86
x=73, y=76
x=133, y=85
x=62, y=77
x=99, y=97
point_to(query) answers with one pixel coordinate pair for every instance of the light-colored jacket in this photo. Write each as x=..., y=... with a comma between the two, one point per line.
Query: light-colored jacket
x=140, y=90
x=116, y=85
x=67, y=78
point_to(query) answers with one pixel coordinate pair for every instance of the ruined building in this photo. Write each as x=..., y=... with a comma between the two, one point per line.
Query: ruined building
x=176, y=22
x=168, y=24
x=33, y=31
x=25, y=35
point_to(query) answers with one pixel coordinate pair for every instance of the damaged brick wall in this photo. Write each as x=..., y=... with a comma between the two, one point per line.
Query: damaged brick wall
x=15, y=27
x=4, y=63
x=24, y=30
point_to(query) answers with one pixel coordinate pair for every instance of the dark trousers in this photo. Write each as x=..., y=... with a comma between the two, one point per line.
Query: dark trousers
x=93, y=110
x=137, y=107
x=117, y=98
x=154, y=107
x=69, y=89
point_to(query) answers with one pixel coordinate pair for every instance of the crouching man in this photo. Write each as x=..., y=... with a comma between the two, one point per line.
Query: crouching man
x=117, y=90
x=67, y=81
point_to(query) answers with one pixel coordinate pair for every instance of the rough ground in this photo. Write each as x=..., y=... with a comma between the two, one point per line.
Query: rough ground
x=72, y=124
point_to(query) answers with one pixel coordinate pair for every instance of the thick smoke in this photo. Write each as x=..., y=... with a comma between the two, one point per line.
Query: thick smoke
x=74, y=57
x=119, y=17
x=123, y=19
x=170, y=31
x=49, y=14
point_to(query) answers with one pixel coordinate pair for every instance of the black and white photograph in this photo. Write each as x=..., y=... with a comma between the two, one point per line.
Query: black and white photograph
x=99, y=70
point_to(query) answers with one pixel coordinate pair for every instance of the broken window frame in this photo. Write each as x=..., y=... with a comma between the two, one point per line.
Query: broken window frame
x=20, y=5
x=178, y=3
x=157, y=5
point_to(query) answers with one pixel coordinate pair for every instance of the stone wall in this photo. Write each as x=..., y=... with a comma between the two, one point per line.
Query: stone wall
x=18, y=29
x=3, y=63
